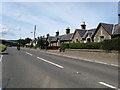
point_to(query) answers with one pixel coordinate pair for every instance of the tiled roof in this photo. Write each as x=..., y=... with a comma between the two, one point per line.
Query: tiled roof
x=66, y=37
x=55, y=39
x=89, y=32
x=108, y=27
x=81, y=32
x=50, y=38
x=116, y=29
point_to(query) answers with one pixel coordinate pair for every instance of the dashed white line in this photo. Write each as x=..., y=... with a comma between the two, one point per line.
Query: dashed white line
x=1, y=58
x=108, y=85
x=50, y=62
x=29, y=54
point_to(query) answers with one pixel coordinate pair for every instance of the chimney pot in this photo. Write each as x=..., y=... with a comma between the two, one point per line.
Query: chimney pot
x=83, y=26
x=67, y=30
x=57, y=33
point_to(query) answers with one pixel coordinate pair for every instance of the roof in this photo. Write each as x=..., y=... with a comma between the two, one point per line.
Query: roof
x=89, y=32
x=66, y=37
x=80, y=31
x=50, y=38
x=55, y=39
x=116, y=29
x=108, y=27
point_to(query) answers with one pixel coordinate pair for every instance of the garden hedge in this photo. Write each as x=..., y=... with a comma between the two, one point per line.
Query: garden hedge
x=108, y=45
x=92, y=45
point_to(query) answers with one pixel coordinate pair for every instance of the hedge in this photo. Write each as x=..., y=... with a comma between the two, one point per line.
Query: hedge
x=91, y=45
x=113, y=44
x=108, y=45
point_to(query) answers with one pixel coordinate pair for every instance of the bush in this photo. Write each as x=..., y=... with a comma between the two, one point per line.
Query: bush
x=108, y=45
x=113, y=44
x=92, y=45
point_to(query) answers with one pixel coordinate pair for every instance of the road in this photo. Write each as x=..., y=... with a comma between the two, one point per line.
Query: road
x=35, y=69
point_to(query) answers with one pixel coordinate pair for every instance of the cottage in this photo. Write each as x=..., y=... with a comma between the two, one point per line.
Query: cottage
x=83, y=35
x=49, y=38
x=106, y=31
x=88, y=36
x=67, y=38
x=58, y=39
x=78, y=35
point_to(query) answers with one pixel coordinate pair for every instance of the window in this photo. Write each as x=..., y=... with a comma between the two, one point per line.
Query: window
x=101, y=38
x=88, y=40
x=77, y=40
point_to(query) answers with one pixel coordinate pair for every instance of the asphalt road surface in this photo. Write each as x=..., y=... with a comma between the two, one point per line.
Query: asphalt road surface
x=35, y=69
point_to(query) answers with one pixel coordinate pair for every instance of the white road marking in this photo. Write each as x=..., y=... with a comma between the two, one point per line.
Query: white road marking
x=1, y=58
x=108, y=85
x=115, y=65
x=29, y=54
x=81, y=59
x=50, y=62
x=100, y=62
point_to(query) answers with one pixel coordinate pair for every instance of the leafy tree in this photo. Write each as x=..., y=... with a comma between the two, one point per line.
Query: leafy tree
x=41, y=42
x=27, y=40
x=21, y=42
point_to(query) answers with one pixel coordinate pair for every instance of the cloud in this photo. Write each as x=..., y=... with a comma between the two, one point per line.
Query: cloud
x=50, y=17
x=18, y=15
x=9, y=31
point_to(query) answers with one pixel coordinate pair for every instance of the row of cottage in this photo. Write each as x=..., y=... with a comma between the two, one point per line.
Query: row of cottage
x=102, y=32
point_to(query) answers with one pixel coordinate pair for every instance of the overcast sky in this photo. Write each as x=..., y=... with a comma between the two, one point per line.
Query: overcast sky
x=17, y=19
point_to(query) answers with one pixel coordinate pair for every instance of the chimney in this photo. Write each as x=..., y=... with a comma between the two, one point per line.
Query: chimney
x=67, y=30
x=118, y=18
x=83, y=26
x=57, y=33
x=47, y=35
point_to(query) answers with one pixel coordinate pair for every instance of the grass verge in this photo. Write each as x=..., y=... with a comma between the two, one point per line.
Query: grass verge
x=2, y=48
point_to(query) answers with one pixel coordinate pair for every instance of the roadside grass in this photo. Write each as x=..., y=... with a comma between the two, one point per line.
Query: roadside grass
x=2, y=48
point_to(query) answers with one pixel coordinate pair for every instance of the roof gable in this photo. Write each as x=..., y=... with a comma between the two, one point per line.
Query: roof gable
x=89, y=32
x=107, y=27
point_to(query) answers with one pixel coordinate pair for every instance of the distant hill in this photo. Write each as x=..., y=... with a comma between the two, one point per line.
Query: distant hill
x=8, y=42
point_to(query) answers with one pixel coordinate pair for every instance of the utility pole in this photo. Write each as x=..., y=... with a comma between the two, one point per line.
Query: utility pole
x=34, y=31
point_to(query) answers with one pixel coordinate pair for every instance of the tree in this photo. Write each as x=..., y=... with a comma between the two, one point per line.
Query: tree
x=41, y=42
x=27, y=40
x=21, y=42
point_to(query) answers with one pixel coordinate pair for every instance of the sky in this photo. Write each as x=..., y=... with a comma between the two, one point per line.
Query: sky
x=17, y=19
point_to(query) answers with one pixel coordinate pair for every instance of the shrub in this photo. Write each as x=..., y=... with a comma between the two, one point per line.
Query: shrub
x=113, y=44
x=92, y=45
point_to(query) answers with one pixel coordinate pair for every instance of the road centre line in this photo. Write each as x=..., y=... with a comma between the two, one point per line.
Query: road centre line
x=108, y=85
x=1, y=58
x=50, y=62
x=29, y=54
